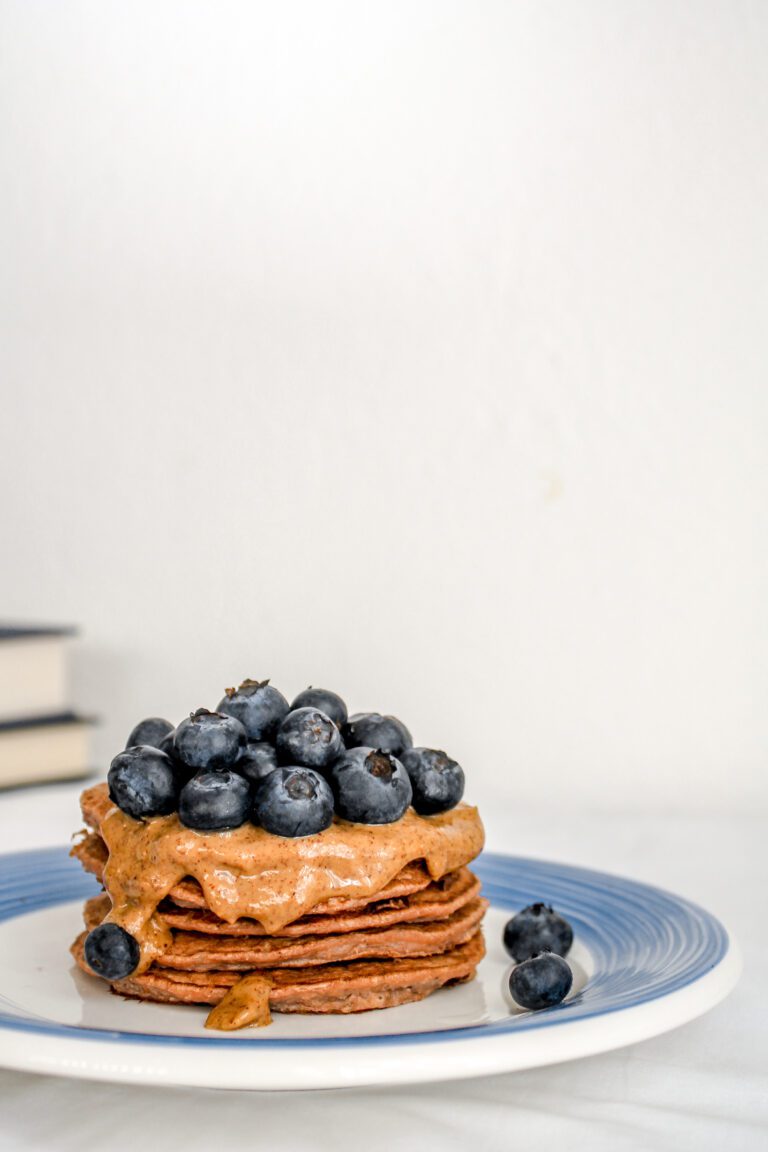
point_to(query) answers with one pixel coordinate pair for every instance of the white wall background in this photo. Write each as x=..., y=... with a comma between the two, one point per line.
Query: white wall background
x=412, y=349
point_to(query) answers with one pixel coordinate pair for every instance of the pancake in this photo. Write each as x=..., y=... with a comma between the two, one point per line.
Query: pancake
x=336, y=988
x=92, y=853
x=398, y=938
x=441, y=898
x=196, y=952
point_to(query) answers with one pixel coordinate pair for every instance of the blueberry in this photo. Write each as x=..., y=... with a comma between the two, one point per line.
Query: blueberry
x=371, y=730
x=258, y=706
x=310, y=738
x=328, y=702
x=142, y=782
x=215, y=799
x=370, y=786
x=182, y=771
x=293, y=801
x=209, y=740
x=168, y=745
x=150, y=732
x=541, y=981
x=111, y=952
x=537, y=929
x=437, y=781
x=256, y=761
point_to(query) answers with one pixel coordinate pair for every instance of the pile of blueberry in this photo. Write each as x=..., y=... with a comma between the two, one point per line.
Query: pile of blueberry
x=538, y=940
x=285, y=767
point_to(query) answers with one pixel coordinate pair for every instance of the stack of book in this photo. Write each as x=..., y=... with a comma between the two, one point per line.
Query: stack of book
x=41, y=738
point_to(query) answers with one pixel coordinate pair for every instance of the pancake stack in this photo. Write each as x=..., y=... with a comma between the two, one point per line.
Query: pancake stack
x=416, y=934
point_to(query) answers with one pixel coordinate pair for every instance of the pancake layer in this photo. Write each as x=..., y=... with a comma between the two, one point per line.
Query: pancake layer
x=414, y=934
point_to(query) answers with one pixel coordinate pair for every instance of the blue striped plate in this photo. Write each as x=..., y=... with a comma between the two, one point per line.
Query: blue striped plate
x=644, y=962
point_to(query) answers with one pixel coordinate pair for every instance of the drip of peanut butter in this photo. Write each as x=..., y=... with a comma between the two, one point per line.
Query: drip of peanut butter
x=247, y=1002
x=273, y=879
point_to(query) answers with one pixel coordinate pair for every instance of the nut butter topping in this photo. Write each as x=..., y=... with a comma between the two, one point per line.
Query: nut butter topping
x=245, y=1003
x=272, y=879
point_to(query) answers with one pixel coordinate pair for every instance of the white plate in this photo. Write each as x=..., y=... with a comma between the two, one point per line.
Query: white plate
x=644, y=962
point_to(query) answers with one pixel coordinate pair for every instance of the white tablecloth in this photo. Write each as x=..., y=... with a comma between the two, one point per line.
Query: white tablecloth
x=704, y=1086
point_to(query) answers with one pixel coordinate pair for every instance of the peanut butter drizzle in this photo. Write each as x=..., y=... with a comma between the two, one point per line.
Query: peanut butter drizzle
x=247, y=1002
x=273, y=879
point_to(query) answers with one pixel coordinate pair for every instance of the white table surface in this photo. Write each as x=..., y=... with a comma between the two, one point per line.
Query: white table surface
x=704, y=1086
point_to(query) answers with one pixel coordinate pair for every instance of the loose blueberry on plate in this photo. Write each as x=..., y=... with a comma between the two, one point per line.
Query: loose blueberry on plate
x=310, y=738
x=329, y=702
x=372, y=730
x=370, y=786
x=256, y=761
x=111, y=952
x=540, y=982
x=537, y=929
x=258, y=706
x=209, y=740
x=151, y=731
x=293, y=801
x=142, y=782
x=437, y=781
x=214, y=800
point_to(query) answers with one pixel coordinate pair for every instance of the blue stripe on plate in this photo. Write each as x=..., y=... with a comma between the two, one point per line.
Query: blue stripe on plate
x=644, y=943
